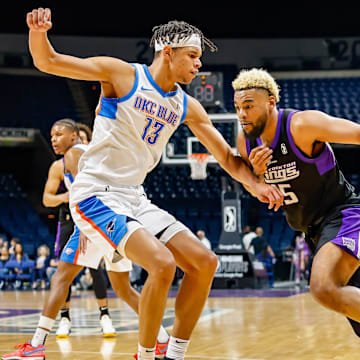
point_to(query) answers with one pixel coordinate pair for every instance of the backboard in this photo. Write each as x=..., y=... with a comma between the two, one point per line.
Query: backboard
x=183, y=143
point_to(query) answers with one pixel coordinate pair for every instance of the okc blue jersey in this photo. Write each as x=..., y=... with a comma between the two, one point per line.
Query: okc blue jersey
x=129, y=136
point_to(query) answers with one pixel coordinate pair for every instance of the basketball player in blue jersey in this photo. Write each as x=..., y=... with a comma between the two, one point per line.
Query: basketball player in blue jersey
x=65, y=140
x=139, y=110
x=290, y=148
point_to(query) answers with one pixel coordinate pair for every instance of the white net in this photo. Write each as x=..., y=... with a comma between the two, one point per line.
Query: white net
x=198, y=165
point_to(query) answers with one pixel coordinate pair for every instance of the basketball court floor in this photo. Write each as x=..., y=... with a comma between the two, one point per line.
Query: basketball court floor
x=273, y=324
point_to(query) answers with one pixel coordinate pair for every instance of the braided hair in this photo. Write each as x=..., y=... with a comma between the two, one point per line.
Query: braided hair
x=69, y=123
x=167, y=32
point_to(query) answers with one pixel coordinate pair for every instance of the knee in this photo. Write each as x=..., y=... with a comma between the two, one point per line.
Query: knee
x=324, y=292
x=211, y=263
x=61, y=280
x=164, y=269
x=204, y=266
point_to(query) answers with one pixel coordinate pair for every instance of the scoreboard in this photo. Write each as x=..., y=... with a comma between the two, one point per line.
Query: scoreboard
x=207, y=88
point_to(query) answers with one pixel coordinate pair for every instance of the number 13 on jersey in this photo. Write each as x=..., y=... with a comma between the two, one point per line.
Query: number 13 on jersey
x=152, y=130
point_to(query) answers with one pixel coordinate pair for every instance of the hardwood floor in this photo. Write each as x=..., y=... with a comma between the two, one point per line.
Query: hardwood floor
x=236, y=325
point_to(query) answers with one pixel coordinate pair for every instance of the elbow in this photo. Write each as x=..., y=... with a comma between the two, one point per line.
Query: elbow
x=45, y=63
x=43, y=66
x=45, y=202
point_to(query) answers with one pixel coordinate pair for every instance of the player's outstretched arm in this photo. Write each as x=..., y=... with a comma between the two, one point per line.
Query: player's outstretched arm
x=46, y=59
x=202, y=127
x=312, y=126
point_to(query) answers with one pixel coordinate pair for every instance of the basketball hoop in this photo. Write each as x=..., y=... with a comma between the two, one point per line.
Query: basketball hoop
x=198, y=163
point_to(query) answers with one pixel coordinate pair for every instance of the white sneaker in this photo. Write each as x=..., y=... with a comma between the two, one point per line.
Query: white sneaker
x=107, y=327
x=64, y=328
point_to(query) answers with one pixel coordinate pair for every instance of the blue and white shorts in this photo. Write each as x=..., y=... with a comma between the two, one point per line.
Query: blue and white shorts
x=108, y=219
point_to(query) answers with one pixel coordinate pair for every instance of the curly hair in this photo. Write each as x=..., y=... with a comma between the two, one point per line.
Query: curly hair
x=256, y=79
x=86, y=130
x=166, y=33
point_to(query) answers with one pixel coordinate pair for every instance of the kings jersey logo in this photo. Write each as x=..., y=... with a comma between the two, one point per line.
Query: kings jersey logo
x=282, y=173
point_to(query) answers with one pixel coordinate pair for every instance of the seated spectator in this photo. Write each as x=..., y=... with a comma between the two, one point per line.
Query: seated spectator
x=3, y=241
x=20, y=267
x=42, y=262
x=13, y=242
x=51, y=269
x=4, y=257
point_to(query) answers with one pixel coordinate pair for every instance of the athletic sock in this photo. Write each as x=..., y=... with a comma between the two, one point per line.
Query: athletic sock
x=163, y=335
x=177, y=348
x=39, y=337
x=65, y=313
x=146, y=353
x=104, y=310
x=41, y=334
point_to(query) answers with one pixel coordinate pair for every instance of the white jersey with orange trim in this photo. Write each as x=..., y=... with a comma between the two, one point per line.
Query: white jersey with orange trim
x=129, y=136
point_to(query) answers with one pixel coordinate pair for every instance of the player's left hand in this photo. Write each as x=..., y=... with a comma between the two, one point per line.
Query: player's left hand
x=259, y=158
x=270, y=194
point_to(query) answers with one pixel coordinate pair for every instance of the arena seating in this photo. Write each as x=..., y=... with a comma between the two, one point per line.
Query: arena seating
x=35, y=102
x=18, y=217
x=195, y=202
x=336, y=96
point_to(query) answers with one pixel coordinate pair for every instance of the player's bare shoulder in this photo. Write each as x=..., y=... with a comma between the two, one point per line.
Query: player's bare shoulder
x=121, y=78
x=56, y=169
x=303, y=120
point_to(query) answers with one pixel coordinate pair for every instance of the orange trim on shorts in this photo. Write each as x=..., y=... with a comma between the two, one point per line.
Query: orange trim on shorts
x=84, y=217
x=76, y=256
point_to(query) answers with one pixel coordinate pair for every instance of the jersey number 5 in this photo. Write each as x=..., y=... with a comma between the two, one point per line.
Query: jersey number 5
x=289, y=196
x=152, y=130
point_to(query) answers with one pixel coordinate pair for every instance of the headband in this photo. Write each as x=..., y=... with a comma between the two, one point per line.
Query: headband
x=192, y=40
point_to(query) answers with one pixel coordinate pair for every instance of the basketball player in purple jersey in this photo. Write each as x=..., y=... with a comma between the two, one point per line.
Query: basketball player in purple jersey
x=290, y=149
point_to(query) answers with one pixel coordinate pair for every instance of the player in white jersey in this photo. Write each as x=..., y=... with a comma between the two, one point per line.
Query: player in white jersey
x=65, y=140
x=139, y=110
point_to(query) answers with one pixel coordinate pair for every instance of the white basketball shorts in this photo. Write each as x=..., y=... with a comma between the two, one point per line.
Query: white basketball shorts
x=108, y=219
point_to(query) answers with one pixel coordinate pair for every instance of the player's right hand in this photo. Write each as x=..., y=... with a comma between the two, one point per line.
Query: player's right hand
x=65, y=197
x=39, y=20
x=270, y=194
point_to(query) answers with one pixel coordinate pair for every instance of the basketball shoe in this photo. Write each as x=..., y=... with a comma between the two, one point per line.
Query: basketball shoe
x=107, y=327
x=160, y=350
x=64, y=328
x=26, y=351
